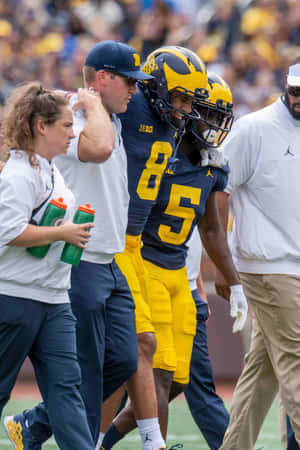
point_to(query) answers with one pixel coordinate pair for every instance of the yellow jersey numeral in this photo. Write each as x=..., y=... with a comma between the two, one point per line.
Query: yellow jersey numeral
x=174, y=209
x=154, y=169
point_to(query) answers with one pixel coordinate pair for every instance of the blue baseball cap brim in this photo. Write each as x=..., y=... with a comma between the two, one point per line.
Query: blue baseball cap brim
x=136, y=74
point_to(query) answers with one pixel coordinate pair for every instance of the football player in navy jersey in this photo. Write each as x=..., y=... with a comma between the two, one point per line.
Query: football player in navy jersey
x=155, y=117
x=207, y=408
x=186, y=198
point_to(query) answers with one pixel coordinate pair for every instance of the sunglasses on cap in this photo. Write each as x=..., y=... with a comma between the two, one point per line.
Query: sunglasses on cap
x=294, y=91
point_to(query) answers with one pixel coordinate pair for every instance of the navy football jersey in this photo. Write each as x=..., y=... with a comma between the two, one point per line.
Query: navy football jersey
x=149, y=144
x=179, y=206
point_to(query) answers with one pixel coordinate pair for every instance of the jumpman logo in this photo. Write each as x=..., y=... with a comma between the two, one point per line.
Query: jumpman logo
x=169, y=171
x=147, y=438
x=288, y=152
x=209, y=174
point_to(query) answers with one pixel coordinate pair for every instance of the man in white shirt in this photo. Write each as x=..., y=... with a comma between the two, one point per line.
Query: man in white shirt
x=263, y=151
x=100, y=296
x=206, y=407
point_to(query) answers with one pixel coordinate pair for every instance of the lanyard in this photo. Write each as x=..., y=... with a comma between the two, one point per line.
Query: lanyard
x=36, y=210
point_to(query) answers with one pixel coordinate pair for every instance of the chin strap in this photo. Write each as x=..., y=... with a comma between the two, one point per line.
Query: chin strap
x=173, y=159
x=162, y=108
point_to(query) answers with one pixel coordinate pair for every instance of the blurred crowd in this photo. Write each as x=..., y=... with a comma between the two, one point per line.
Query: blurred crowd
x=249, y=43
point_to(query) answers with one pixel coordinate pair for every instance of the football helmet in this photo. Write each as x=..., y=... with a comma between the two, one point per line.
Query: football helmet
x=216, y=114
x=176, y=71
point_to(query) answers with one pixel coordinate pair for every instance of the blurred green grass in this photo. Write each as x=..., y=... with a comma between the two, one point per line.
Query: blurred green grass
x=181, y=429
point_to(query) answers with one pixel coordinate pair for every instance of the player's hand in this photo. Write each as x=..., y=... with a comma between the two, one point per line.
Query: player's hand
x=217, y=158
x=238, y=307
x=222, y=287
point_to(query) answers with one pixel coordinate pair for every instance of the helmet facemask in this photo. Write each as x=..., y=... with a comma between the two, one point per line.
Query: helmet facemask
x=177, y=72
x=214, y=124
x=216, y=115
x=162, y=101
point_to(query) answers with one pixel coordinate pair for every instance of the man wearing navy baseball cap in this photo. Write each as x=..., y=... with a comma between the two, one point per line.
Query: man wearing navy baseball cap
x=116, y=57
x=95, y=168
x=112, y=69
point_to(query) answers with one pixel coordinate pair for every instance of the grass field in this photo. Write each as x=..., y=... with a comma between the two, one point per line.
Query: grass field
x=182, y=429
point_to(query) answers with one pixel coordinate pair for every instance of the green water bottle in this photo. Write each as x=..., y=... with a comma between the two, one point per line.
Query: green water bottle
x=71, y=254
x=53, y=215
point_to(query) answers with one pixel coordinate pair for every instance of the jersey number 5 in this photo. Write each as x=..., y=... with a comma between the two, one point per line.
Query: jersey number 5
x=183, y=212
x=154, y=170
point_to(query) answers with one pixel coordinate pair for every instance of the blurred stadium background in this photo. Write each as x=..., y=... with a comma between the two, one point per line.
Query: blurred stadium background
x=249, y=43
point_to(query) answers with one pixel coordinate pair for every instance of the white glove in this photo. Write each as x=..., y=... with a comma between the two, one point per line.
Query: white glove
x=204, y=157
x=213, y=157
x=217, y=158
x=238, y=307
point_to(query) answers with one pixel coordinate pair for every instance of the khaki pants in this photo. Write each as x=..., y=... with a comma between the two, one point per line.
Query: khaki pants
x=273, y=360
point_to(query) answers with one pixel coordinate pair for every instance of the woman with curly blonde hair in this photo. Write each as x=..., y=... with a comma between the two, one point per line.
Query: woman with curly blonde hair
x=36, y=319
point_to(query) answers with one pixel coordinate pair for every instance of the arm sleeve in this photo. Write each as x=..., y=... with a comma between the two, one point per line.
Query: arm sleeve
x=18, y=195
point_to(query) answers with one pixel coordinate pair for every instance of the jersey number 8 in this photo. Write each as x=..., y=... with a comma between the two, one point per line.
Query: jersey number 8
x=154, y=170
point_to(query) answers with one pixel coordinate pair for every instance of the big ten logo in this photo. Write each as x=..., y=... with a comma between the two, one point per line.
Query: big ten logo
x=137, y=60
x=150, y=65
x=146, y=128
